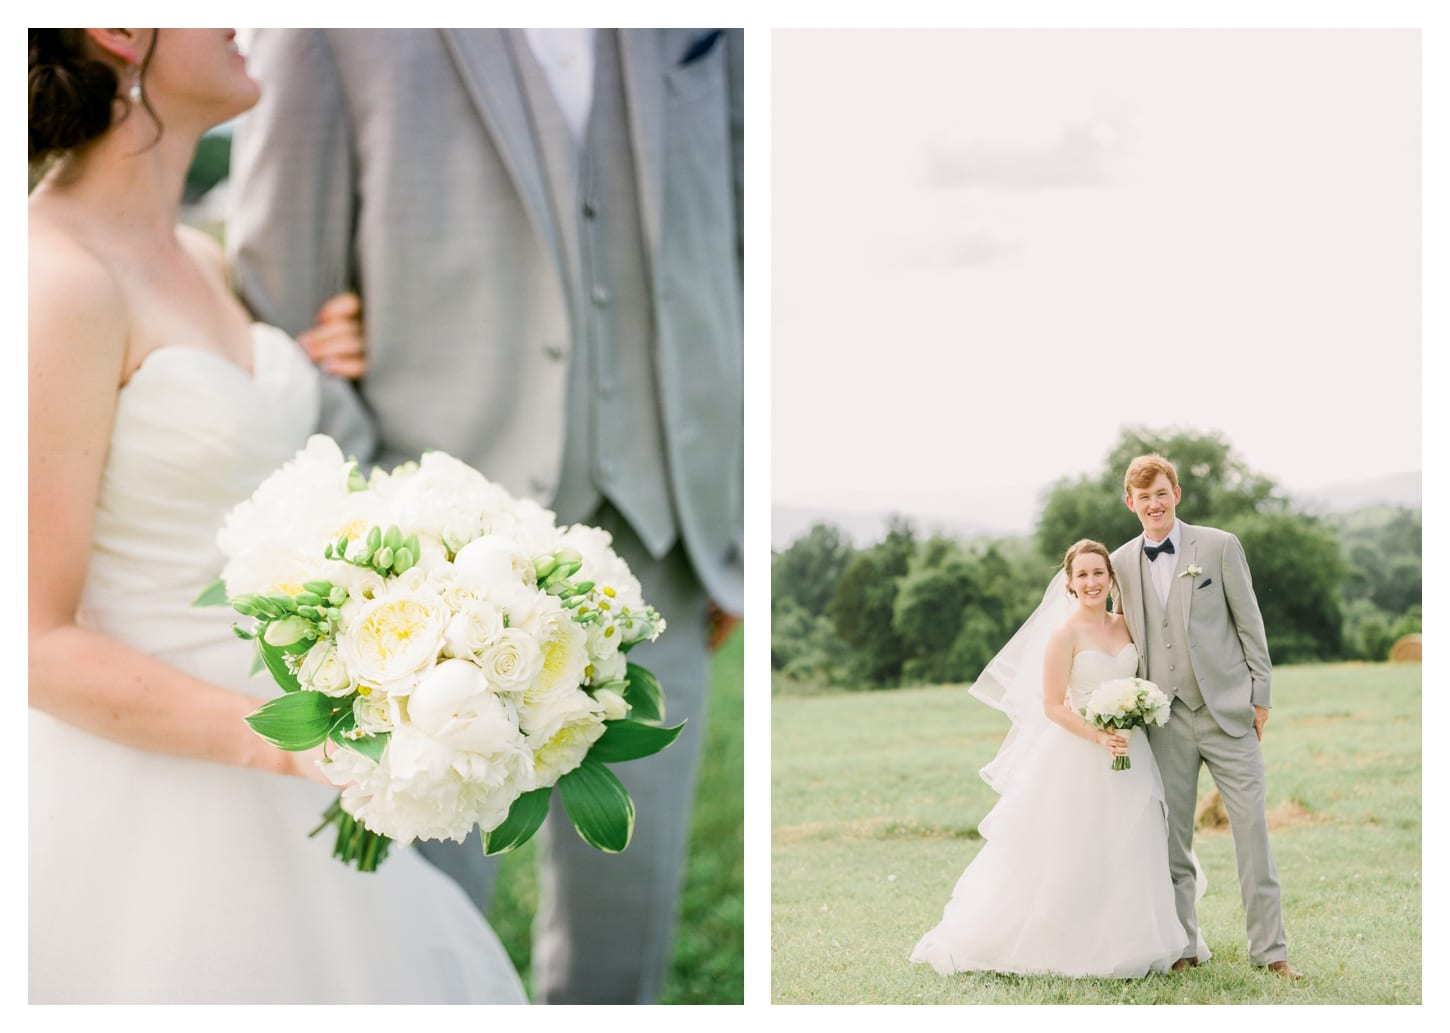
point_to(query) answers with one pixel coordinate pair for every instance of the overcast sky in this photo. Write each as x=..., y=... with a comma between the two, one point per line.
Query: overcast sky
x=991, y=249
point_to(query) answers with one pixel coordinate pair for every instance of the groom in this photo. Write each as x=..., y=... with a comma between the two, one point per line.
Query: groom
x=1190, y=606
x=545, y=228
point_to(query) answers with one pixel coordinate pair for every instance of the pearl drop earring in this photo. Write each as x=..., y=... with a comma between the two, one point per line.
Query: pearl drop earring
x=135, y=91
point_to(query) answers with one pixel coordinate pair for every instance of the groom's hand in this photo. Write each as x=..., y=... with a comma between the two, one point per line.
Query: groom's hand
x=1261, y=718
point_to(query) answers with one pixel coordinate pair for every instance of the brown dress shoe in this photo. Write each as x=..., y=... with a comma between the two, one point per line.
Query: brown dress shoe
x=1285, y=970
x=1184, y=963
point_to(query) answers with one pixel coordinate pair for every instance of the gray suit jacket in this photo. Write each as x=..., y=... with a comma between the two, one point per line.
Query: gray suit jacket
x=1225, y=630
x=400, y=163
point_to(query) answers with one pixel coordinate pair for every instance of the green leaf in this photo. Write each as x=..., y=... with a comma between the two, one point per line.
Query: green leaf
x=630, y=740
x=297, y=721
x=259, y=664
x=599, y=806
x=214, y=594
x=524, y=818
x=274, y=659
x=370, y=746
x=644, y=695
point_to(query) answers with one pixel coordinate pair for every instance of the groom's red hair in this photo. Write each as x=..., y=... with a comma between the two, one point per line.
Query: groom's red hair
x=1144, y=470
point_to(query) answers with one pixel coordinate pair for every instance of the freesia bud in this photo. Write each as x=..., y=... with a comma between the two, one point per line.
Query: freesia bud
x=383, y=558
x=402, y=560
x=337, y=596
x=394, y=537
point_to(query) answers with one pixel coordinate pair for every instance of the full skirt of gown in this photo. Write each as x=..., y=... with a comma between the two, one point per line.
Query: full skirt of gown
x=1073, y=877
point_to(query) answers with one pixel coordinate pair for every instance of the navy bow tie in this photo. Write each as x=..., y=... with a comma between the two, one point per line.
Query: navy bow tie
x=1152, y=551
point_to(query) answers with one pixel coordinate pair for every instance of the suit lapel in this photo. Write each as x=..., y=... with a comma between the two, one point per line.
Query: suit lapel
x=485, y=62
x=1185, y=557
x=1134, y=614
x=641, y=65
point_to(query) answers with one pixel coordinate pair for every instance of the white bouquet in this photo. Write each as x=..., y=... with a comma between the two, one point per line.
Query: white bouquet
x=1122, y=704
x=461, y=655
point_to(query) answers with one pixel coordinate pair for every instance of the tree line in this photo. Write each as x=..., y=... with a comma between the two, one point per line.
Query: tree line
x=913, y=609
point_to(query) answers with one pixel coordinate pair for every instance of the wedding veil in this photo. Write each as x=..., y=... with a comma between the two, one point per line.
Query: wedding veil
x=1012, y=681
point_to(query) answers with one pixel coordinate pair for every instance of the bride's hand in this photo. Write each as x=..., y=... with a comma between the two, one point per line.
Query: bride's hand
x=304, y=764
x=336, y=344
x=1114, y=744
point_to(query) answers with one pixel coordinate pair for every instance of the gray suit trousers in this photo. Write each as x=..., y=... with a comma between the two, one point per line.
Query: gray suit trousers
x=1190, y=740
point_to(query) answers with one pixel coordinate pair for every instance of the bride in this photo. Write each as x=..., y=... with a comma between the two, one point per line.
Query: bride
x=1073, y=879
x=169, y=856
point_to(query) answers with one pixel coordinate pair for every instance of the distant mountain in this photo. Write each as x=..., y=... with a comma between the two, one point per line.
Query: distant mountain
x=1391, y=489
x=787, y=523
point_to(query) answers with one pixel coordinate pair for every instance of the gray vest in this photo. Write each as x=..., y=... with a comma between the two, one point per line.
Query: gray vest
x=1169, y=664
x=614, y=441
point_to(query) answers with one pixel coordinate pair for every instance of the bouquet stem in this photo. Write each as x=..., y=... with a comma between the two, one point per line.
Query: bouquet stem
x=355, y=843
x=1123, y=763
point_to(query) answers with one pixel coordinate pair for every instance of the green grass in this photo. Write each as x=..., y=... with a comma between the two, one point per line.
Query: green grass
x=708, y=964
x=875, y=800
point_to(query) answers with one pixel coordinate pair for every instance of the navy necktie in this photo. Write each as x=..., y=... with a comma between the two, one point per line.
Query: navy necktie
x=1152, y=551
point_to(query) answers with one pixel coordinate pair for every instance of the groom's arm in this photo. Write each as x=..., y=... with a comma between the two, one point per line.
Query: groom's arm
x=291, y=202
x=1243, y=608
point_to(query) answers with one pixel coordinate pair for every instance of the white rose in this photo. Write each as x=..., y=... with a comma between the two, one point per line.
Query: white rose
x=323, y=671
x=391, y=638
x=512, y=661
x=374, y=713
x=564, y=647
x=476, y=624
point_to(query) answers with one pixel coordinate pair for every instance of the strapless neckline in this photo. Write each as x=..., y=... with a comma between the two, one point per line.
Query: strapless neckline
x=169, y=352
x=1104, y=652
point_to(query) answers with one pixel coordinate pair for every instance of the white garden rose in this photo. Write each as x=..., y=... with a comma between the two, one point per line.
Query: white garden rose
x=560, y=727
x=323, y=671
x=512, y=661
x=391, y=639
x=564, y=648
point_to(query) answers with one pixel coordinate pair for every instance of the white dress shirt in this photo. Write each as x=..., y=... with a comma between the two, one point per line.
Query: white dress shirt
x=567, y=59
x=1162, y=568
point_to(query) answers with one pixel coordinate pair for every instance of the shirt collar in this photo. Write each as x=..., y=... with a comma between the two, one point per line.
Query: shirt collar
x=1175, y=533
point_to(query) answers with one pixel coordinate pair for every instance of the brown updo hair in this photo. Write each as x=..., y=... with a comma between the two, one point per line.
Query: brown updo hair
x=72, y=94
x=1097, y=548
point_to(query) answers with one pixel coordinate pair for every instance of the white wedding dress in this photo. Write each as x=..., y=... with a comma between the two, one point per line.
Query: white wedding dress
x=155, y=879
x=1073, y=878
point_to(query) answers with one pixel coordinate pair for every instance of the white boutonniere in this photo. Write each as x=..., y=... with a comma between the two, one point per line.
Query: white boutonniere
x=1192, y=570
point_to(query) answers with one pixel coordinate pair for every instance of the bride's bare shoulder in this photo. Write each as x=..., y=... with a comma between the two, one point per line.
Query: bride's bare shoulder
x=76, y=305
x=205, y=251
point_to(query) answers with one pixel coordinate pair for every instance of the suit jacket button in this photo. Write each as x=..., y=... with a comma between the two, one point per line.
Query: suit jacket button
x=538, y=486
x=554, y=350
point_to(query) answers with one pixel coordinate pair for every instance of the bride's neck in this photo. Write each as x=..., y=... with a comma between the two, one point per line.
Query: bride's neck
x=130, y=181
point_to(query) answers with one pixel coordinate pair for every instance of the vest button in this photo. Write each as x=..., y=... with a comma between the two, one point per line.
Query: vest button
x=600, y=296
x=554, y=351
x=589, y=210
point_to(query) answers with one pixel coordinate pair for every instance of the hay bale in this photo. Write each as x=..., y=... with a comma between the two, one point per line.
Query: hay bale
x=1406, y=650
x=1210, y=814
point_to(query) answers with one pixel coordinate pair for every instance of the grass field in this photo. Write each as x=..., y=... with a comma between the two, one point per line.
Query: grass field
x=707, y=966
x=875, y=800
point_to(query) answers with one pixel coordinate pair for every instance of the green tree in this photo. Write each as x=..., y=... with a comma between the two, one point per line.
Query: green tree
x=806, y=573
x=1297, y=570
x=1217, y=486
x=862, y=605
